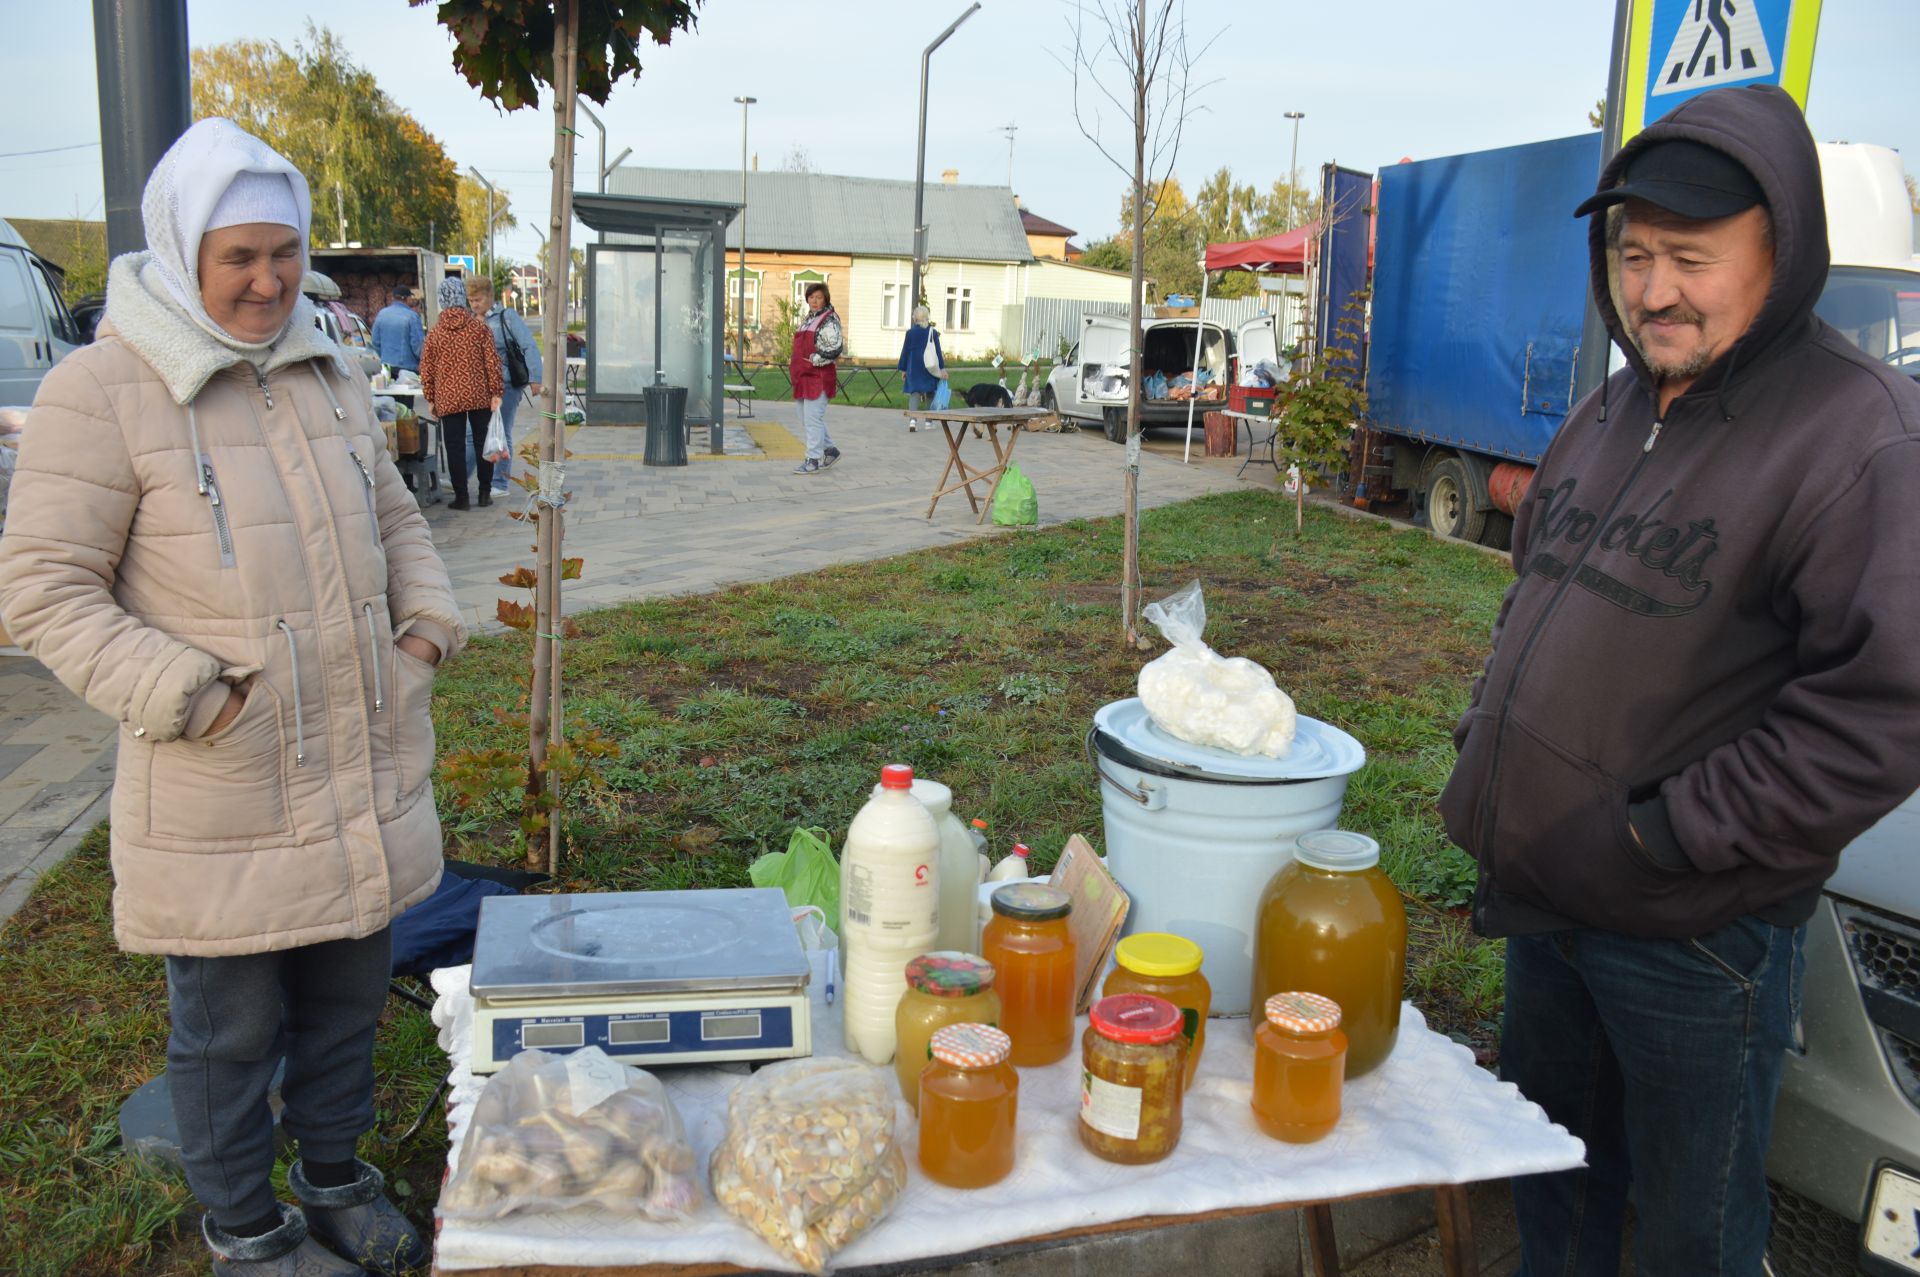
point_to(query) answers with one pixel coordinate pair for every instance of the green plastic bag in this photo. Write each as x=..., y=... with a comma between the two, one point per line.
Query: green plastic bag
x=1014, y=501
x=806, y=871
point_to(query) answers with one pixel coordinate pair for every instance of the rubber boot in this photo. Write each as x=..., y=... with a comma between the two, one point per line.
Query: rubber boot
x=358, y=1221
x=287, y=1251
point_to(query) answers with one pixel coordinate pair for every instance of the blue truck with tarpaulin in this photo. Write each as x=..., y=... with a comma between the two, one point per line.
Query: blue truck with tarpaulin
x=1479, y=289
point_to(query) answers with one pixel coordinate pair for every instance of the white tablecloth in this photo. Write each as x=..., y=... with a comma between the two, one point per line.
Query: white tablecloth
x=1429, y=1115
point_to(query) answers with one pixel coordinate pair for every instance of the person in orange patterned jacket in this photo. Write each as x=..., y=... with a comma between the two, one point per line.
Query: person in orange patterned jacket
x=460, y=373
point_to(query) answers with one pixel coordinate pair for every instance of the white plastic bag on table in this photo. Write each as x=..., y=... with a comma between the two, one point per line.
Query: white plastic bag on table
x=1194, y=693
x=554, y=1131
x=495, y=448
x=809, y=1160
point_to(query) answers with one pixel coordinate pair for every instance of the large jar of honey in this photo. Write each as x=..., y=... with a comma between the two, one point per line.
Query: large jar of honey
x=969, y=1097
x=942, y=988
x=1332, y=923
x=1166, y=966
x=1031, y=952
x=1130, y=1080
x=1299, y=1060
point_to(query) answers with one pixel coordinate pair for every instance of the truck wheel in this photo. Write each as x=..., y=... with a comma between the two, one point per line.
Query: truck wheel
x=1498, y=534
x=1450, y=508
x=1114, y=422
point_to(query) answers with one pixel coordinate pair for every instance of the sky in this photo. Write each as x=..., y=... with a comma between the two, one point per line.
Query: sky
x=1376, y=79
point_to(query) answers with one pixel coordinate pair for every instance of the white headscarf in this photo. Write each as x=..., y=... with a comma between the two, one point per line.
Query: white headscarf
x=182, y=196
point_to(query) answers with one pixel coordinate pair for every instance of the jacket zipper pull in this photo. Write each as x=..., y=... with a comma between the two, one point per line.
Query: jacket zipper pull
x=265, y=389
x=1653, y=436
x=212, y=489
x=364, y=472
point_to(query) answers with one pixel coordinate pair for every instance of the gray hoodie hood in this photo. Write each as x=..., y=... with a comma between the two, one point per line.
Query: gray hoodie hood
x=153, y=297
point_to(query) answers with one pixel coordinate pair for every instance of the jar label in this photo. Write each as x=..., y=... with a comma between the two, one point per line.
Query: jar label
x=1108, y=1108
x=1189, y=1023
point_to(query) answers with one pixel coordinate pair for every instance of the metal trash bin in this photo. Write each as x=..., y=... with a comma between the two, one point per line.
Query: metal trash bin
x=666, y=408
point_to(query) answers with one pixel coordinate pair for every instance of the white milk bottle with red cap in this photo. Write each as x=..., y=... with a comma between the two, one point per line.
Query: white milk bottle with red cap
x=889, y=909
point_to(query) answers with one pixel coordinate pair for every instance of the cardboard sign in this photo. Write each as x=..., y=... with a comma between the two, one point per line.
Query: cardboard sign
x=1100, y=907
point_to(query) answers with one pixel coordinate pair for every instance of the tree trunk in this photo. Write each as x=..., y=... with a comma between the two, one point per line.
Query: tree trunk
x=1130, y=565
x=546, y=720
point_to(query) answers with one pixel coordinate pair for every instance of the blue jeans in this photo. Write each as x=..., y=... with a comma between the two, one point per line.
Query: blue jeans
x=509, y=402
x=1665, y=1057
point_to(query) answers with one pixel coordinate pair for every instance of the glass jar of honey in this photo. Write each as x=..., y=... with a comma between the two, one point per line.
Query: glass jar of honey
x=969, y=1096
x=1131, y=1078
x=1299, y=1061
x=1332, y=923
x=1166, y=966
x=942, y=988
x=1031, y=952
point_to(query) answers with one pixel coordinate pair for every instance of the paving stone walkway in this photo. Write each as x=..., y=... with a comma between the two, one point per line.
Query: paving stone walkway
x=645, y=532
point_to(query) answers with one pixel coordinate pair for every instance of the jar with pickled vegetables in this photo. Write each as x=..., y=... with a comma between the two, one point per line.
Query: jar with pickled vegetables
x=1299, y=1061
x=969, y=1099
x=1166, y=966
x=1332, y=923
x=942, y=988
x=1032, y=955
x=1130, y=1078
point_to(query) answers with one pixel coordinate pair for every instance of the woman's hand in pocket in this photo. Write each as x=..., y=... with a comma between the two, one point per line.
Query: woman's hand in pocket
x=236, y=698
x=416, y=647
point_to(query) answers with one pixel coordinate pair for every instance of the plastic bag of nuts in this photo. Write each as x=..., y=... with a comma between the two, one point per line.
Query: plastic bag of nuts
x=554, y=1131
x=809, y=1160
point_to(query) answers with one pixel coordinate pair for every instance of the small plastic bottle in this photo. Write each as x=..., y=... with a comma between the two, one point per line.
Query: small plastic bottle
x=1014, y=867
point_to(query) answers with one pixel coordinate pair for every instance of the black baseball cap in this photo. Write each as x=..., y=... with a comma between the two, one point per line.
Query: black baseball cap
x=402, y=293
x=1688, y=178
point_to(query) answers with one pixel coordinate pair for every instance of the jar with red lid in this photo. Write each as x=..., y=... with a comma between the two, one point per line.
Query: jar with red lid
x=1132, y=1077
x=1299, y=1063
x=969, y=1098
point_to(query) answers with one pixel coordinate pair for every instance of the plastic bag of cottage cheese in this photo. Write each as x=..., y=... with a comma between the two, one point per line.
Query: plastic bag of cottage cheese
x=1204, y=698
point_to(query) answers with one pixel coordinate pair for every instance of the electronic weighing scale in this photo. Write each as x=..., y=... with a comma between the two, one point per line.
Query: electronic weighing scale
x=649, y=977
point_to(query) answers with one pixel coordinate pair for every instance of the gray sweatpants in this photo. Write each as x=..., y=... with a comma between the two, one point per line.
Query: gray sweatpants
x=233, y=1020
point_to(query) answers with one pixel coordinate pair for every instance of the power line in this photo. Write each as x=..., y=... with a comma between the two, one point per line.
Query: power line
x=77, y=146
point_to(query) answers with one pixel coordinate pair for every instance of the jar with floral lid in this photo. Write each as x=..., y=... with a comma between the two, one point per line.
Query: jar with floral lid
x=943, y=988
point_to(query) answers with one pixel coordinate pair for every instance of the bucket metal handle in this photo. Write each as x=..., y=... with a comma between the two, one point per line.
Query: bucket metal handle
x=1150, y=797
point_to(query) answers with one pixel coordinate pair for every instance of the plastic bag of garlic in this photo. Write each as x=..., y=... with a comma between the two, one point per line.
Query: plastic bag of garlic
x=1204, y=698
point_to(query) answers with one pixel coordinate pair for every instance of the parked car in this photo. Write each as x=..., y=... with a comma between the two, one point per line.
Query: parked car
x=1844, y=1166
x=36, y=329
x=1092, y=382
x=347, y=329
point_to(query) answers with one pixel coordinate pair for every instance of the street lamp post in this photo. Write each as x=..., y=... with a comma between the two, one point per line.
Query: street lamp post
x=740, y=305
x=920, y=160
x=601, y=167
x=1293, y=164
x=489, y=185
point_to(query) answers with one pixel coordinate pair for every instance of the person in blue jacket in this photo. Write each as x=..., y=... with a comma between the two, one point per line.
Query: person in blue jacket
x=398, y=333
x=922, y=362
x=502, y=321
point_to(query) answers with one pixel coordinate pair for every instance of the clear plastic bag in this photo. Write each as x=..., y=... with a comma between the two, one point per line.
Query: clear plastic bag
x=554, y=1131
x=495, y=448
x=809, y=1160
x=1199, y=696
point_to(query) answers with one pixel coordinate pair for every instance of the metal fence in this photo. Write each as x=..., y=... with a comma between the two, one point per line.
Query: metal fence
x=1047, y=321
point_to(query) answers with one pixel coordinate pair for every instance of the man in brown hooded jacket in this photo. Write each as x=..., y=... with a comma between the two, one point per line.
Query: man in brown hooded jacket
x=1704, y=683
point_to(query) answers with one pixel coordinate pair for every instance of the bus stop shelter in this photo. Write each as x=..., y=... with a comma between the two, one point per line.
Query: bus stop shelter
x=655, y=305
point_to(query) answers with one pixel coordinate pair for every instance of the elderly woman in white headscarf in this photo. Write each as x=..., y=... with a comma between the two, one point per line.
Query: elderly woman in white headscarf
x=207, y=540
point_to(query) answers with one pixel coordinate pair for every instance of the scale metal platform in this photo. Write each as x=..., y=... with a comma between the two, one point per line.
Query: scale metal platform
x=649, y=977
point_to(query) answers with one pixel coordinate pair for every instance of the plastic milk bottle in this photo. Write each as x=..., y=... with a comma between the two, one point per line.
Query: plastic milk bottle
x=959, y=867
x=889, y=909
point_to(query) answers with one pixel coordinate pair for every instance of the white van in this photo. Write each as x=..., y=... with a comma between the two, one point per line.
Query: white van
x=1099, y=373
x=36, y=329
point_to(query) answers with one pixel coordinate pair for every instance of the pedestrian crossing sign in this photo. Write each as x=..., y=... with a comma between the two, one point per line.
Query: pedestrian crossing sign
x=1679, y=48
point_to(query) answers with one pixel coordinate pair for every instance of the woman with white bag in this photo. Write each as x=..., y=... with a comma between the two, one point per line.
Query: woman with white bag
x=923, y=363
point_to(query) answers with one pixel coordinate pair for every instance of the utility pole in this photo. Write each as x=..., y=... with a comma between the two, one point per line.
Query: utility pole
x=920, y=160
x=489, y=185
x=141, y=62
x=340, y=212
x=1009, y=130
x=1293, y=164
x=740, y=306
x=601, y=167
x=1596, y=346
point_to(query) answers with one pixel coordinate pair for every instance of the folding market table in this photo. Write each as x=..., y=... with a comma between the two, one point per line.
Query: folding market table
x=956, y=422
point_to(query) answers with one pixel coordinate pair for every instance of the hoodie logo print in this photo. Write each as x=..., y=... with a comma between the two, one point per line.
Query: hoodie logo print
x=1664, y=562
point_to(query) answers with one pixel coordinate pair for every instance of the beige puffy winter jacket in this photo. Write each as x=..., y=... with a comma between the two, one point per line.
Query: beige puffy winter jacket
x=287, y=560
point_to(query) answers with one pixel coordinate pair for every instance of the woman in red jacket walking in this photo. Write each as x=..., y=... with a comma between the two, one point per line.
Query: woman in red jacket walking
x=460, y=373
x=819, y=341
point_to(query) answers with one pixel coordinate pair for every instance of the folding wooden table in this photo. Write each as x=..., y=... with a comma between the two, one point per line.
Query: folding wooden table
x=955, y=422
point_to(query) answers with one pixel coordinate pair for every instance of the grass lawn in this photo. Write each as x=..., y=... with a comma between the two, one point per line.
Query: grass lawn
x=745, y=713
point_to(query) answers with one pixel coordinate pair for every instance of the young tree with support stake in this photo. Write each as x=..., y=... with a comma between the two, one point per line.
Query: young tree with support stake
x=507, y=49
x=1145, y=43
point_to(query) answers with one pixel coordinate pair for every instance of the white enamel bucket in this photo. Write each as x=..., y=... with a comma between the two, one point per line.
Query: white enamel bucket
x=1195, y=834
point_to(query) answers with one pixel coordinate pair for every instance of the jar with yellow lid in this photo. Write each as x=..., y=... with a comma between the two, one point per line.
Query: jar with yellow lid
x=969, y=1099
x=1032, y=954
x=943, y=988
x=1166, y=966
x=1299, y=1063
x=1130, y=1078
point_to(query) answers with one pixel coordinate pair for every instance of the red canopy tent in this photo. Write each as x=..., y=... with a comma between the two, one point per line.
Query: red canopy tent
x=1282, y=254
